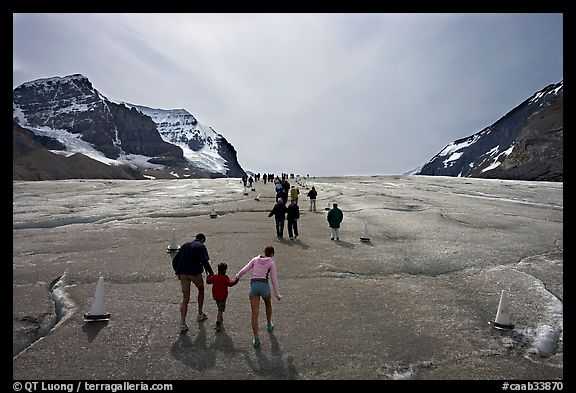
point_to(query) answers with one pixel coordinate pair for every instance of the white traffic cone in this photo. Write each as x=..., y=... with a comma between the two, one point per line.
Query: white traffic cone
x=98, y=309
x=213, y=214
x=258, y=197
x=327, y=208
x=365, y=237
x=173, y=246
x=245, y=191
x=502, y=320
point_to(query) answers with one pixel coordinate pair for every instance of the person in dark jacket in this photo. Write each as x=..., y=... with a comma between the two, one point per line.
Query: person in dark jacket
x=292, y=217
x=335, y=217
x=282, y=194
x=279, y=212
x=189, y=264
x=312, y=194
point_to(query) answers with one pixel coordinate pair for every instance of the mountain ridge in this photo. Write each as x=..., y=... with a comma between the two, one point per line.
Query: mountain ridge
x=67, y=115
x=525, y=144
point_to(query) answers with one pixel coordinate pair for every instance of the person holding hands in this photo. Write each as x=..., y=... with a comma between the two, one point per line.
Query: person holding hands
x=262, y=267
x=220, y=283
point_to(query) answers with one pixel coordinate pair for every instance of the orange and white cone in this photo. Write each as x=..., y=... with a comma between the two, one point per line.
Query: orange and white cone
x=98, y=309
x=502, y=320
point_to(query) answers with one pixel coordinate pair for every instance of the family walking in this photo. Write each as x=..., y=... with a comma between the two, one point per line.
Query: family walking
x=190, y=262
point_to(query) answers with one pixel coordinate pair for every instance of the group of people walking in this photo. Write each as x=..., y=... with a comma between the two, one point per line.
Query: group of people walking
x=281, y=212
x=192, y=259
x=190, y=262
x=291, y=213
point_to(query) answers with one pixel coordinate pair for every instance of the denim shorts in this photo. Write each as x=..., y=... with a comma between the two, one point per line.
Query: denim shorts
x=259, y=288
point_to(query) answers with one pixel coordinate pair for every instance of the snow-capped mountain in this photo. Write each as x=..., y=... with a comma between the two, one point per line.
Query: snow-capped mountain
x=200, y=143
x=525, y=144
x=68, y=116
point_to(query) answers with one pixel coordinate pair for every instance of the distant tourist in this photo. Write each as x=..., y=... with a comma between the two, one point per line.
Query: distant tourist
x=282, y=195
x=335, y=217
x=189, y=263
x=262, y=267
x=293, y=214
x=279, y=213
x=294, y=192
x=312, y=194
x=220, y=283
x=277, y=185
x=286, y=185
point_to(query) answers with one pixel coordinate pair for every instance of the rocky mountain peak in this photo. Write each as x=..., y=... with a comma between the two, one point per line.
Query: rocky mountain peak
x=70, y=110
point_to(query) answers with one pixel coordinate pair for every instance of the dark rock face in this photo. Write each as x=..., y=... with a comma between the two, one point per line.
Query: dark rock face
x=526, y=144
x=196, y=143
x=139, y=135
x=227, y=151
x=538, y=151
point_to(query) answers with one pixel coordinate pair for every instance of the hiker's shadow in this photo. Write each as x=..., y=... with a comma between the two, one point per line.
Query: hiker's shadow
x=275, y=366
x=345, y=244
x=283, y=240
x=298, y=242
x=224, y=343
x=194, y=354
x=197, y=354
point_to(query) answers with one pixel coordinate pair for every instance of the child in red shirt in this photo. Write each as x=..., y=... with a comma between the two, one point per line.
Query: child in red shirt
x=220, y=283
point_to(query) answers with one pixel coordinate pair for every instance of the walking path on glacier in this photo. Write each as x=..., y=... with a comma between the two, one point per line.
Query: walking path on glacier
x=415, y=302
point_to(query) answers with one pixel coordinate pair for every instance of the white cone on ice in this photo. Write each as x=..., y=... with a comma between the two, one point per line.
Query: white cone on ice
x=213, y=214
x=257, y=198
x=365, y=237
x=245, y=191
x=173, y=246
x=502, y=320
x=98, y=309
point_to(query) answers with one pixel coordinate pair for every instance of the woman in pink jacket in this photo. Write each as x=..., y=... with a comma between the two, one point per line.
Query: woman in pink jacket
x=262, y=267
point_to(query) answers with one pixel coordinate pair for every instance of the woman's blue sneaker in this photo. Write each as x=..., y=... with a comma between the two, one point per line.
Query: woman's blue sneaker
x=256, y=341
x=270, y=327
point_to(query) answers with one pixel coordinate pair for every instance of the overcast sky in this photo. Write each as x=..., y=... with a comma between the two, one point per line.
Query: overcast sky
x=318, y=94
